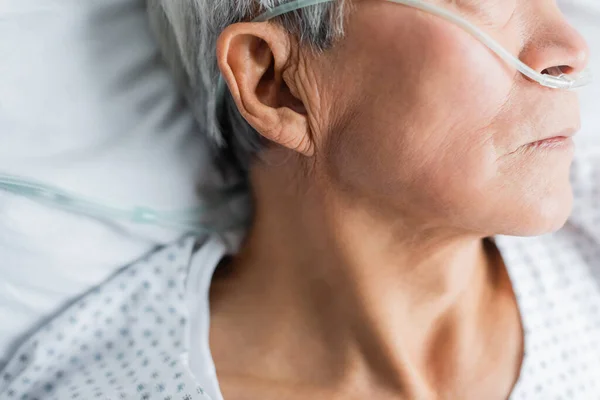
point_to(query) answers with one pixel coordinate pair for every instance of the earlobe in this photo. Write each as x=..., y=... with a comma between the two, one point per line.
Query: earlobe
x=252, y=58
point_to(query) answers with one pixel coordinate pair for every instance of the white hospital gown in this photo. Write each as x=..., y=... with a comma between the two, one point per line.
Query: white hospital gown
x=125, y=339
x=130, y=338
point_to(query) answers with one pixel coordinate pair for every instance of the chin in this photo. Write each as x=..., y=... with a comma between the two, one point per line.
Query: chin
x=548, y=214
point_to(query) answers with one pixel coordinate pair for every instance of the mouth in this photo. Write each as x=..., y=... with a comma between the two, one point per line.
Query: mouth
x=561, y=141
x=555, y=142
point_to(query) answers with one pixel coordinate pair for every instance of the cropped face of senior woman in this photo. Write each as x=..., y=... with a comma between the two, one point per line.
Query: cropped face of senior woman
x=413, y=117
x=389, y=158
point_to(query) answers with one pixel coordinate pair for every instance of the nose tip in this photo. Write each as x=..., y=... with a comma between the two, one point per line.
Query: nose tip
x=577, y=53
x=557, y=46
x=582, y=57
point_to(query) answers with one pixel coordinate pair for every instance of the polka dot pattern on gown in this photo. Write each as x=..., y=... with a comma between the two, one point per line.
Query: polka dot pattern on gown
x=126, y=339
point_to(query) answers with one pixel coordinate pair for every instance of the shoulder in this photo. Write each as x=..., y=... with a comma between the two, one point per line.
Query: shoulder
x=127, y=337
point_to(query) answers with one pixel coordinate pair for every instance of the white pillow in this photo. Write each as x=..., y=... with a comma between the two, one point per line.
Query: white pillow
x=86, y=104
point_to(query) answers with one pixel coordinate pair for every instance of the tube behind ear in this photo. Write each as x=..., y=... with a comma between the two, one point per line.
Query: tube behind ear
x=560, y=81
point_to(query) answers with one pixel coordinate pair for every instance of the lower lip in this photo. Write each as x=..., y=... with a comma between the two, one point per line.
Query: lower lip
x=555, y=143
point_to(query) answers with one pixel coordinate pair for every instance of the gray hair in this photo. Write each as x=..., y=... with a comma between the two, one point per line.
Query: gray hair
x=187, y=32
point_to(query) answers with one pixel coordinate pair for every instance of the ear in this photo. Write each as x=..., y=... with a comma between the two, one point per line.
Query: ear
x=252, y=58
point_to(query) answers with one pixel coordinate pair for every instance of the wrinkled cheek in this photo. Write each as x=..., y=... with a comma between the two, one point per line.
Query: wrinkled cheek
x=459, y=177
x=426, y=112
x=469, y=73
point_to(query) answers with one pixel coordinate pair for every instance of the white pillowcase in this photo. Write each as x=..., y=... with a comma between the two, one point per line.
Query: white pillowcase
x=86, y=104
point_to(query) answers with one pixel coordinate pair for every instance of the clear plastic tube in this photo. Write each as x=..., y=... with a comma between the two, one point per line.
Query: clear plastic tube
x=189, y=220
x=556, y=80
x=287, y=7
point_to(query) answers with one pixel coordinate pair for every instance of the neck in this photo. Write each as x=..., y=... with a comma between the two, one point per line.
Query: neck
x=366, y=296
